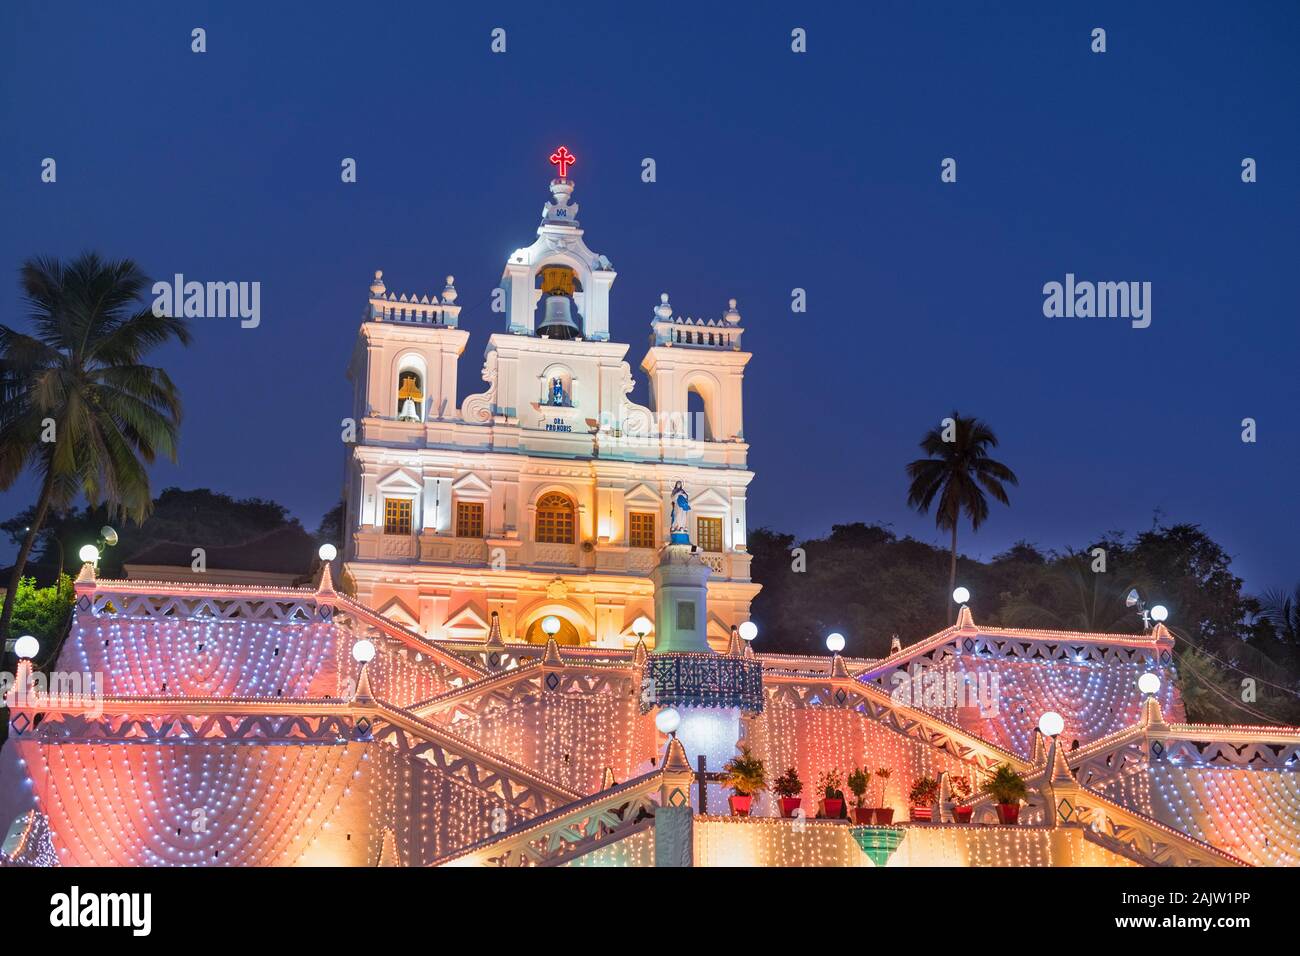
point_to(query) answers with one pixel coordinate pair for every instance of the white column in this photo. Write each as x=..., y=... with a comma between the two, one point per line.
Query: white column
x=737, y=535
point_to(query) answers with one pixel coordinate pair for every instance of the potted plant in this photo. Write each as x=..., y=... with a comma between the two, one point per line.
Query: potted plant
x=831, y=786
x=921, y=797
x=883, y=815
x=1008, y=788
x=789, y=788
x=961, y=790
x=744, y=774
x=858, y=781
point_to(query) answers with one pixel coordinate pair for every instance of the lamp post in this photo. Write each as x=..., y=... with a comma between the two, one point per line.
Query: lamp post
x=667, y=721
x=641, y=627
x=25, y=648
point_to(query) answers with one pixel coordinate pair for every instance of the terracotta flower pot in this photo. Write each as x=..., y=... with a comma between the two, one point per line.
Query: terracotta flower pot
x=740, y=805
x=921, y=814
x=883, y=816
x=831, y=809
x=1009, y=813
x=962, y=814
x=862, y=816
x=789, y=805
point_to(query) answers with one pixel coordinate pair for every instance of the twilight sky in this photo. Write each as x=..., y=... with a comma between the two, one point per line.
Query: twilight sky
x=776, y=170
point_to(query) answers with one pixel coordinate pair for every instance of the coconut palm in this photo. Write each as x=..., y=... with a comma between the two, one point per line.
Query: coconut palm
x=1069, y=595
x=77, y=404
x=958, y=471
x=1282, y=610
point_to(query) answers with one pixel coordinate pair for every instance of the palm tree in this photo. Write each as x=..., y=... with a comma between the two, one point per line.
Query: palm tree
x=1068, y=595
x=1282, y=610
x=958, y=471
x=76, y=403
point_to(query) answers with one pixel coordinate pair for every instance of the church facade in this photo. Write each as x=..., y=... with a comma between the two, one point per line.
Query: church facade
x=542, y=496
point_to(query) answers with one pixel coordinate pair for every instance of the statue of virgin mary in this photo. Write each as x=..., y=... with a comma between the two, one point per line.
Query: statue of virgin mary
x=678, y=524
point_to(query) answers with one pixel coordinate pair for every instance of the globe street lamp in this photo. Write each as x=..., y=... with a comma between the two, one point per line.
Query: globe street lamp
x=667, y=721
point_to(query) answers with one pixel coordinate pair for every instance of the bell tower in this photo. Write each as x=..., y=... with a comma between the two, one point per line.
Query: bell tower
x=559, y=244
x=702, y=356
x=403, y=367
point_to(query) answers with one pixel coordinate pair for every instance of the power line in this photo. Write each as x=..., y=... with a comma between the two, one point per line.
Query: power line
x=1200, y=649
x=1239, y=705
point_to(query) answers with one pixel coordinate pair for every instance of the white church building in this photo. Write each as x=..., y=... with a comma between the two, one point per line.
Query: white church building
x=543, y=496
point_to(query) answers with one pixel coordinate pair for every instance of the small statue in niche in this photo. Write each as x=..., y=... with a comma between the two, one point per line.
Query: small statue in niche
x=557, y=392
x=678, y=522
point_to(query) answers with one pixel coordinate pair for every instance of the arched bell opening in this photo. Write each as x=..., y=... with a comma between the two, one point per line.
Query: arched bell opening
x=557, y=311
x=410, y=396
x=699, y=413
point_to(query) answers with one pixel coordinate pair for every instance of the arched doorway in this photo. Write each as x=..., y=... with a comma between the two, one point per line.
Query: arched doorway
x=567, y=635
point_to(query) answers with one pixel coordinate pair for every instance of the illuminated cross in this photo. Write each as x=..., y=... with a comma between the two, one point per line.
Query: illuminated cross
x=563, y=159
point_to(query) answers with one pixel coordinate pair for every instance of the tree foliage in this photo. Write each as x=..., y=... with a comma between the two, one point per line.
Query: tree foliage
x=42, y=612
x=869, y=584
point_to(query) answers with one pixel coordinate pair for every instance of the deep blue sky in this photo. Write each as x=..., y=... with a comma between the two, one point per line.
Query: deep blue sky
x=775, y=170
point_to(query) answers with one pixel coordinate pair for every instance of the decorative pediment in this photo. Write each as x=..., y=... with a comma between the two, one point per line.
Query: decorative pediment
x=399, y=480
x=710, y=498
x=471, y=484
x=643, y=494
x=717, y=629
x=466, y=624
x=396, y=610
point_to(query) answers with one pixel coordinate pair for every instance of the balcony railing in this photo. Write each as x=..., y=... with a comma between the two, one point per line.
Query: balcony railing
x=426, y=547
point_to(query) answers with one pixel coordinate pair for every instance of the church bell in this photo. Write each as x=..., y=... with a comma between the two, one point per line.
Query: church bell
x=557, y=321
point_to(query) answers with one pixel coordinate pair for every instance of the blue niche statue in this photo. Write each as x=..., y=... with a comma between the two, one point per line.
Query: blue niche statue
x=678, y=523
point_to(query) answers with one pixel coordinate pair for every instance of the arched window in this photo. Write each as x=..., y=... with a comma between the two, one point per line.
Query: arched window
x=699, y=414
x=555, y=521
x=410, y=396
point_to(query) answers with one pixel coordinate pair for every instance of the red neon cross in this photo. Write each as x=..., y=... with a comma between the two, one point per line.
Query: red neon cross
x=564, y=159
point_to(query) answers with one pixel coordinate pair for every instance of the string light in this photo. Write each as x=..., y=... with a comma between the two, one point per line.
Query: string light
x=228, y=799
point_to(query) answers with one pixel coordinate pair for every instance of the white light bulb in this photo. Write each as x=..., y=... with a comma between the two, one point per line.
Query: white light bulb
x=1149, y=683
x=27, y=647
x=835, y=643
x=748, y=630
x=642, y=626
x=961, y=595
x=1051, y=723
x=668, y=720
x=551, y=625
x=363, y=651
x=89, y=553
x=1160, y=613
x=328, y=552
